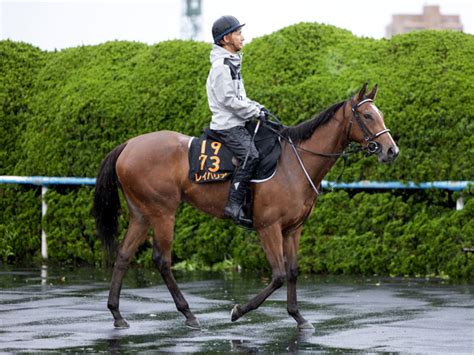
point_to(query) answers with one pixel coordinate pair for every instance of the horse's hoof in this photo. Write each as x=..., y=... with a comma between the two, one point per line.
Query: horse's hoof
x=306, y=326
x=193, y=323
x=236, y=313
x=121, y=323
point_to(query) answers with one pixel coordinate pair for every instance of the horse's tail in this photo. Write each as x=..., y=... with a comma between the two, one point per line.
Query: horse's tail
x=107, y=202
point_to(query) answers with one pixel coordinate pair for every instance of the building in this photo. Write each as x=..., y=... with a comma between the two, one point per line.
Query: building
x=191, y=24
x=431, y=18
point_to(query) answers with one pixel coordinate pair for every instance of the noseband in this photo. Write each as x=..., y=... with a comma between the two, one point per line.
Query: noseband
x=369, y=137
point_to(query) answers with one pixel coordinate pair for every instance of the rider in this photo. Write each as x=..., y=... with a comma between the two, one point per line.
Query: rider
x=231, y=109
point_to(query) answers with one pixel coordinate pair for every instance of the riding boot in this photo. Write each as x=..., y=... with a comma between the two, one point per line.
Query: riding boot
x=234, y=204
x=241, y=144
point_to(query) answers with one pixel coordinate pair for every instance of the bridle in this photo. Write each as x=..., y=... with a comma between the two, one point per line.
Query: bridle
x=371, y=148
x=369, y=137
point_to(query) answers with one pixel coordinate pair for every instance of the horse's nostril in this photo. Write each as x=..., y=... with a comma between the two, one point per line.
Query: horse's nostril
x=392, y=153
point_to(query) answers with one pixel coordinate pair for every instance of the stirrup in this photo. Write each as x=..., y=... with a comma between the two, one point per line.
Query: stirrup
x=240, y=219
x=244, y=221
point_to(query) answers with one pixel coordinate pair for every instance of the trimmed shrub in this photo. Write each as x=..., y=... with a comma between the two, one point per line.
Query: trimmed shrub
x=63, y=111
x=19, y=65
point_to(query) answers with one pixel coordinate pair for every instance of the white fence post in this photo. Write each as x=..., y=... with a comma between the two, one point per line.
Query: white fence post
x=460, y=203
x=44, y=274
x=44, y=208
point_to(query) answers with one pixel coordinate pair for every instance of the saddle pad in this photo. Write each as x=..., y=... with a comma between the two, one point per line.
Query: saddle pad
x=211, y=161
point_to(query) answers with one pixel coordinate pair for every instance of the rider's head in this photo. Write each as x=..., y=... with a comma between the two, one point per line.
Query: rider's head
x=227, y=33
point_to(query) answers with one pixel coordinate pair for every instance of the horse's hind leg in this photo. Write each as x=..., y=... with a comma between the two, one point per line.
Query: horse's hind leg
x=163, y=235
x=291, y=243
x=135, y=236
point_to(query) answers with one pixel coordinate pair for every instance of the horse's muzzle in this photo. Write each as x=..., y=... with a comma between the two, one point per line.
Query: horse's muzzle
x=389, y=154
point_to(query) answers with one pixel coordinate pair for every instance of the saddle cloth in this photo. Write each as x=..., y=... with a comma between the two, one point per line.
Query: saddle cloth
x=211, y=161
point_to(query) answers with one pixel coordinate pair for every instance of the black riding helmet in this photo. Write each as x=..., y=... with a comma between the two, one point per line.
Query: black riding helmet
x=223, y=26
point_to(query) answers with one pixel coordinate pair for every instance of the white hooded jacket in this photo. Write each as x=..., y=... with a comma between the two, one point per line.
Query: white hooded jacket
x=226, y=95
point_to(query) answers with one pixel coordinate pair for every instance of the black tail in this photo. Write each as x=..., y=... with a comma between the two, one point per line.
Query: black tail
x=106, y=201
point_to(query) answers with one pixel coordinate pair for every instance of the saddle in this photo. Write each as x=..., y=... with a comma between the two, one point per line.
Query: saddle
x=211, y=161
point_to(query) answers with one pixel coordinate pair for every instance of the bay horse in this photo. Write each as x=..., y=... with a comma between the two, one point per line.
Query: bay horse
x=152, y=172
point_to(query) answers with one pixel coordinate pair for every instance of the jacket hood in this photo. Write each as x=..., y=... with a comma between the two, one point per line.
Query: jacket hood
x=218, y=53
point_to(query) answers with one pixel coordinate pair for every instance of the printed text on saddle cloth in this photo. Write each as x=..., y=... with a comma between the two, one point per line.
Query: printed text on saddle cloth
x=213, y=164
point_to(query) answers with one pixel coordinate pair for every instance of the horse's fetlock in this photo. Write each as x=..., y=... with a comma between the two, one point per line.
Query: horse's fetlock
x=292, y=310
x=112, y=306
x=183, y=307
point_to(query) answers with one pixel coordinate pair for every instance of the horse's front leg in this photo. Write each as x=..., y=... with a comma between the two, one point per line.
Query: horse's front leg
x=272, y=242
x=291, y=243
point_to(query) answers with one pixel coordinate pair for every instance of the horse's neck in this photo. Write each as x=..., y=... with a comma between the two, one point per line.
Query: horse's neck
x=330, y=138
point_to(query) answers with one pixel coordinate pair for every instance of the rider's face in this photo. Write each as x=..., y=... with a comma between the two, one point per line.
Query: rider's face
x=234, y=41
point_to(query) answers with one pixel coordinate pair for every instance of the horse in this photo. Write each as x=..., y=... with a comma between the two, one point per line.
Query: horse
x=151, y=170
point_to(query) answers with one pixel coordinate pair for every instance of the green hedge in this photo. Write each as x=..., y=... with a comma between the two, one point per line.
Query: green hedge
x=386, y=234
x=91, y=99
x=63, y=111
x=20, y=226
x=19, y=65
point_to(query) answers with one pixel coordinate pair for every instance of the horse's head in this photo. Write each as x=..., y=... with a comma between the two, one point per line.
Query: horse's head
x=370, y=130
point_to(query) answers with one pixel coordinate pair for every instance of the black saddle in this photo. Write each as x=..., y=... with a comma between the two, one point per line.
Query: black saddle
x=211, y=161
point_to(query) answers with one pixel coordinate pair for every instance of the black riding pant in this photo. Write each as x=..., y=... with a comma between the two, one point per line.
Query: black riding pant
x=240, y=143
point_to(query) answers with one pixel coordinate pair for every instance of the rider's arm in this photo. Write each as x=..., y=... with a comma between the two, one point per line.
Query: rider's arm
x=228, y=96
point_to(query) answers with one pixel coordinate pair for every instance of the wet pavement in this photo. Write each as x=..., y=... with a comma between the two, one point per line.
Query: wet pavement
x=58, y=310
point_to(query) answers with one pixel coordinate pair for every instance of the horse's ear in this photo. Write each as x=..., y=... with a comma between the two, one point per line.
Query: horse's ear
x=360, y=97
x=373, y=93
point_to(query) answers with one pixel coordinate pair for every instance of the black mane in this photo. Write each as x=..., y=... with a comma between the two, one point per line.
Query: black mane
x=305, y=130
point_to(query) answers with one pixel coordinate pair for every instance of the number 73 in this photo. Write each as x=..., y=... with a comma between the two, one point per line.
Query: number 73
x=214, y=158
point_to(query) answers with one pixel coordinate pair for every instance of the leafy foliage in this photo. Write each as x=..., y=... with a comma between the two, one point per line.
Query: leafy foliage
x=63, y=111
x=20, y=227
x=19, y=64
x=387, y=234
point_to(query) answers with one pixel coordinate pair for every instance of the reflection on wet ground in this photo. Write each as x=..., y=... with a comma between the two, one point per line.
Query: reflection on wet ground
x=65, y=311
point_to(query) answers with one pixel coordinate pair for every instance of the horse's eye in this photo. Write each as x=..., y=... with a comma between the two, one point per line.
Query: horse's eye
x=368, y=116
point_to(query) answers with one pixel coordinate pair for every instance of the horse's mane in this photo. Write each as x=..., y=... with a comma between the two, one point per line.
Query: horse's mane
x=305, y=130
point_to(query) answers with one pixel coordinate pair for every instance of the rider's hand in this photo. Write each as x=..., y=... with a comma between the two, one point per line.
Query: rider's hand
x=262, y=116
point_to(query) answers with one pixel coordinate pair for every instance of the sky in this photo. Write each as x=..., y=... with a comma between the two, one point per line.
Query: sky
x=58, y=24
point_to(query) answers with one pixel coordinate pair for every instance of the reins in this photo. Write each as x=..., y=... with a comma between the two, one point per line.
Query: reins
x=288, y=140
